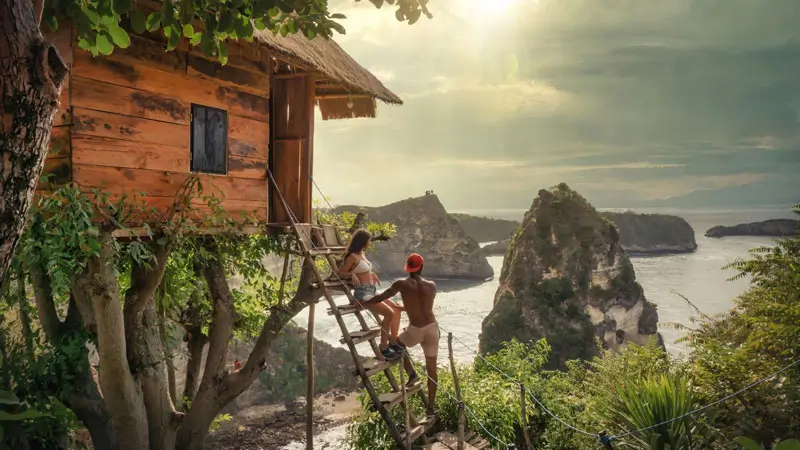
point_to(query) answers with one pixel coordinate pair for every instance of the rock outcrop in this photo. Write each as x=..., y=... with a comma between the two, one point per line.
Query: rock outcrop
x=567, y=278
x=425, y=227
x=653, y=233
x=486, y=229
x=773, y=227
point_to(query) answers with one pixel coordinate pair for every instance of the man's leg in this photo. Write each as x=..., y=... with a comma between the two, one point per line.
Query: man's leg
x=412, y=374
x=430, y=366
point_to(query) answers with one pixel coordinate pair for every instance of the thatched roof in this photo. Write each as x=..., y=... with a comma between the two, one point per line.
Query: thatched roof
x=328, y=58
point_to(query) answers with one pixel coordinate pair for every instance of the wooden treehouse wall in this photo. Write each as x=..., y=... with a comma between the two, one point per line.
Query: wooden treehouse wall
x=128, y=119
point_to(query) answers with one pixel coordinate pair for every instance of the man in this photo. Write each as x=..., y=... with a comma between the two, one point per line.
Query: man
x=417, y=294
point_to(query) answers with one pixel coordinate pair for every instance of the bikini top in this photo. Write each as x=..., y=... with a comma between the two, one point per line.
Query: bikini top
x=363, y=266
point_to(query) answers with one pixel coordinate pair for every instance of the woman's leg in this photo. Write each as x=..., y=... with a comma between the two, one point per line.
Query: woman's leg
x=387, y=314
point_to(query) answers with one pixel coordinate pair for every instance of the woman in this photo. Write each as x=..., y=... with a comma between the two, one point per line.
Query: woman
x=357, y=267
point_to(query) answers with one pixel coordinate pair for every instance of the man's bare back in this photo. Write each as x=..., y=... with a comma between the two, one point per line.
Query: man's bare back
x=418, y=295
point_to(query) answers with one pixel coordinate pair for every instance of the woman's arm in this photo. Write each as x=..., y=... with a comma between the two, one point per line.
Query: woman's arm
x=347, y=266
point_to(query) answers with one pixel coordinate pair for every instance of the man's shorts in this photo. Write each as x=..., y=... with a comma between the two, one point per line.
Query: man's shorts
x=364, y=291
x=427, y=337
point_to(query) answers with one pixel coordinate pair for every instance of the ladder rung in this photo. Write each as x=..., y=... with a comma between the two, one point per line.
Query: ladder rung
x=375, y=366
x=363, y=335
x=333, y=284
x=416, y=432
x=344, y=309
x=326, y=251
x=427, y=421
x=392, y=398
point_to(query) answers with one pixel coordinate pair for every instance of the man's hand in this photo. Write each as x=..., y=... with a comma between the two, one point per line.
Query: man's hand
x=398, y=306
x=354, y=279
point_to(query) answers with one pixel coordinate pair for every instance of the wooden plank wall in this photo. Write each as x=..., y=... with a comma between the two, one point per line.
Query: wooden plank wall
x=131, y=124
x=57, y=163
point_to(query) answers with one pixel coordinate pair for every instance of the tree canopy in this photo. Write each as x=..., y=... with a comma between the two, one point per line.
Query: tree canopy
x=103, y=25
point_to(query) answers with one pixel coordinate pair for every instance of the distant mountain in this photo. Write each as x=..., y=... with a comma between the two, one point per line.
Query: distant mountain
x=759, y=193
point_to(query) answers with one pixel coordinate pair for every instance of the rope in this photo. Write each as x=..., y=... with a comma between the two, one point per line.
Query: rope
x=293, y=217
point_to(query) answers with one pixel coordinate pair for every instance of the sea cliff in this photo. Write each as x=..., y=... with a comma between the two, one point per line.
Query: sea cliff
x=567, y=278
x=425, y=227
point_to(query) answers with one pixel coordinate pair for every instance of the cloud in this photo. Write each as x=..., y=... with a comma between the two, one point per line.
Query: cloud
x=646, y=97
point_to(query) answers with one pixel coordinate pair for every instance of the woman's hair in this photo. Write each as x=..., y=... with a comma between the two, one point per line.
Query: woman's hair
x=358, y=242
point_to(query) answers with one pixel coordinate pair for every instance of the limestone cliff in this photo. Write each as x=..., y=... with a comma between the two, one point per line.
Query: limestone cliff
x=774, y=227
x=486, y=229
x=425, y=227
x=566, y=278
x=653, y=233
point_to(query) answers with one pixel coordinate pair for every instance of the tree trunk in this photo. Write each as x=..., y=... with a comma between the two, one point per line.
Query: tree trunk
x=31, y=76
x=146, y=353
x=168, y=358
x=196, y=343
x=221, y=391
x=123, y=395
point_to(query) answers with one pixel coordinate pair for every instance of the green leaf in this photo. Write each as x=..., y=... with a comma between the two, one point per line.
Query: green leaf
x=196, y=38
x=154, y=21
x=91, y=16
x=188, y=30
x=52, y=22
x=174, y=37
x=747, y=443
x=338, y=16
x=104, y=45
x=311, y=33
x=791, y=444
x=8, y=398
x=138, y=21
x=260, y=25
x=223, y=54
x=225, y=22
x=284, y=30
x=120, y=37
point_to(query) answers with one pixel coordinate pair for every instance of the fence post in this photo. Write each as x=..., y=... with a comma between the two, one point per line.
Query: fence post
x=525, y=432
x=462, y=419
x=402, y=371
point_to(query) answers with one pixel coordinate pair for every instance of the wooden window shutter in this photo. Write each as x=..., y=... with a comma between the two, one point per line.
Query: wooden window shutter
x=209, y=140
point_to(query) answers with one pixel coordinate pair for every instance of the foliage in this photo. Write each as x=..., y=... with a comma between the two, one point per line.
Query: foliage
x=103, y=25
x=658, y=400
x=749, y=444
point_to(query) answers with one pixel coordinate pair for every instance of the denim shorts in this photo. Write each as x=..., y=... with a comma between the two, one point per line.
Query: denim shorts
x=364, y=291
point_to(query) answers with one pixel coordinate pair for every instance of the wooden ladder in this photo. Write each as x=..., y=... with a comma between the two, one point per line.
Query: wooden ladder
x=325, y=241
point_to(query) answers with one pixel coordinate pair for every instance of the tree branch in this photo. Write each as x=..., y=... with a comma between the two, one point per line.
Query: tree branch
x=223, y=316
x=45, y=303
x=236, y=382
x=38, y=8
x=145, y=281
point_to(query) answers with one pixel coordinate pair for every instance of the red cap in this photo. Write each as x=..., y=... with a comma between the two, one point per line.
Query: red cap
x=413, y=263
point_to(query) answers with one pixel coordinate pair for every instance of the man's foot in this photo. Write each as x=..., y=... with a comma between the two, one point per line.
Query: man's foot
x=396, y=347
x=413, y=378
x=389, y=354
x=430, y=412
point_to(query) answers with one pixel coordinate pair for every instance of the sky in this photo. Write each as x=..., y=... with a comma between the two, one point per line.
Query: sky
x=624, y=100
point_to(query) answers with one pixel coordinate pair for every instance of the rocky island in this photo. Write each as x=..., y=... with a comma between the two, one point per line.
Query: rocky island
x=424, y=226
x=653, y=233
x=567, y=278
x=773, y=227
x=486, y=229
x=640, y=234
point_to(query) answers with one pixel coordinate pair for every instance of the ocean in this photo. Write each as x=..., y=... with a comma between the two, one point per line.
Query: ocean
x=461, y=306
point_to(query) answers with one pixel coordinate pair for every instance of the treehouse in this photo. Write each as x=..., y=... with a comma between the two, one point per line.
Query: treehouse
x=143, y=120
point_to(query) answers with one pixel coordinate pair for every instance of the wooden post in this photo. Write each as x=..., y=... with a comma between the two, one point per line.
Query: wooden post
x=310, y=379
x=462, y=419
x=525, y=432
x=402, y=371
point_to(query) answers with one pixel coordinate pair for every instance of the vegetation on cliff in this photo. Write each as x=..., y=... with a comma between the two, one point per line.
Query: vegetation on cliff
x=486, y=229
x=641, y=386
x=566, y=277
